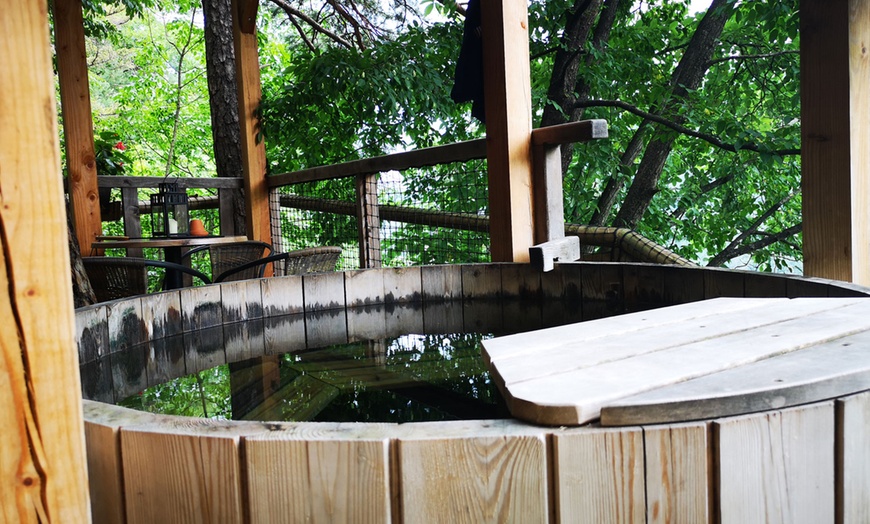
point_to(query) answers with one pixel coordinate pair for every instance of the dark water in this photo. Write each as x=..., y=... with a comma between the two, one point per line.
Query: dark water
x=408, y=377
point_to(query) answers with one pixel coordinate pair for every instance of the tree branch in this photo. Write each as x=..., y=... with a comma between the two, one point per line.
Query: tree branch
x=733, y=249
x=683, y=129
x=770, y=238
x=293, y=12
x=752, y=57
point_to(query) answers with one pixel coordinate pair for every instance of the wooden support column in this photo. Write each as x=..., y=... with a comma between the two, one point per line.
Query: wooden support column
x=43, y=475
x=368, y=220
x=508, y=105
x=835, y=138
x=78, y=126
x=250, y=96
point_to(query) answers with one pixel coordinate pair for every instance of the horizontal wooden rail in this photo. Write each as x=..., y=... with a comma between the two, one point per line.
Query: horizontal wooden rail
x=458, y=152
x=154, y=181
x=430, y=156
x=569, y=133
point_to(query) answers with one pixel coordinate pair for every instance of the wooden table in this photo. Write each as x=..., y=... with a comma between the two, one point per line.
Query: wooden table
x=701, y=360
x=172, y=247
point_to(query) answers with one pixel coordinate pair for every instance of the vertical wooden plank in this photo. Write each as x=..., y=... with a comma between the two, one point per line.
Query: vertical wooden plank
x=507, y=91
x=319, y=480
x=598, y=475
x=481, y=281
x=197, y=479
x=323, y=291
x=474, y=479
x=678, y=473
x=105, y=472
x=835, y=138
x=253, y=147
x=225, y=213
x=282, y=296
x=549, y=215
x=368, y=219
x=442, y=282
x=42, y=456
x=364, y=287
x=132, y=222
x=777, y=466
x=853, y=459
x=78, y=126
x=402, y=284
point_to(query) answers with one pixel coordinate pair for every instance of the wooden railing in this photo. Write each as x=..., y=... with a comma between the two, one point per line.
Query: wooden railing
x=621, y=244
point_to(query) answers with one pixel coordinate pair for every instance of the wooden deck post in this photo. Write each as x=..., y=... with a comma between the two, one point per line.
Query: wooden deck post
x=368, y=220
x=78, y=125
x=43, y=475
x=508, y=104
x=835, y=138
x=250, y=96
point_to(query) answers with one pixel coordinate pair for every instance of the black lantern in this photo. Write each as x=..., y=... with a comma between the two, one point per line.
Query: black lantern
x=169, y=211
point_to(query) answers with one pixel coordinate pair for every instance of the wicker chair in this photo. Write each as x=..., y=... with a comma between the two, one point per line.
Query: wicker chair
x=299, y=262
x=235, y=258
x=119, y=277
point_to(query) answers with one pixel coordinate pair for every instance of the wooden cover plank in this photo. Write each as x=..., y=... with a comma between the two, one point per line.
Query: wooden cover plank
x=524, y=344
x=317, y=480
x=473, y=480
x=678, y=473
x=853, y=468
x=822, y=372
x=573, y=394
x=599, y=475
x=777, y=467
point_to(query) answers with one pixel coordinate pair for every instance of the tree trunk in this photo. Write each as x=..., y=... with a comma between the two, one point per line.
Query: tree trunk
x=223, y=99
x=687, y=76
x=83, y=293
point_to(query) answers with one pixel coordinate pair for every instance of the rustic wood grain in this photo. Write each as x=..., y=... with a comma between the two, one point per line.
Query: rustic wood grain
x=822, y=372
x=197, y=479
x=678, y=473
x=853, y=468
x=317, y=480
x=473, y=479
x=507, y=96
x=253, y=146
x=42, y=456
x=599, y=475
x=777, y=466
x=570, y=382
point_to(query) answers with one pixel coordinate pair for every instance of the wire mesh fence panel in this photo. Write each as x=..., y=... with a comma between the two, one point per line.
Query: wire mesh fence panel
x=315, y=214
x=434, y=215
x=430, y=215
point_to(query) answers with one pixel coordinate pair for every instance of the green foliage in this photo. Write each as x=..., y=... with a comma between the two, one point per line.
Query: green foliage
x=326, y=103
x=110, y=153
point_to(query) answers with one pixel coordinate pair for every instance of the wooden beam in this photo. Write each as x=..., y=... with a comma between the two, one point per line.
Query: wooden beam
x=43, y=476
x=507, y=89
x=78, y=126
x=253, y=147
x=248, y=16
x=835, y=138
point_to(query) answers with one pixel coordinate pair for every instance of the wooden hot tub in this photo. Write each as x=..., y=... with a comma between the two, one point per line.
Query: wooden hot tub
x=805, y=463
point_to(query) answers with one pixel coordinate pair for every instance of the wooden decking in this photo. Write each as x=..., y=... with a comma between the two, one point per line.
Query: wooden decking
x=701, y=360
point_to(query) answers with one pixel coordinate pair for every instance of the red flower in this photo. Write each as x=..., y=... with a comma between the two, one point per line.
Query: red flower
x=120, y=146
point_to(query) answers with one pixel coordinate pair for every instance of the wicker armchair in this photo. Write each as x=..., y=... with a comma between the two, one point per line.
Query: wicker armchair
x=235, y=258
x=299, y=262
x=119, y=277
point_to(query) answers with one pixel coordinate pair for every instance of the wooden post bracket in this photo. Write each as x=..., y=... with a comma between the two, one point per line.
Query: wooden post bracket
x=565, y=249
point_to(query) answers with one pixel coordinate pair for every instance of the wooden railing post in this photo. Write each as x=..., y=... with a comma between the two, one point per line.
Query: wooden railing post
x=42, y=455
x=78, y=125
x=132, y=220
x=368, y=220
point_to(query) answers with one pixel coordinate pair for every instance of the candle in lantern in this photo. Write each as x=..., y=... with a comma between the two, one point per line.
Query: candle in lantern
x=173, y=226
